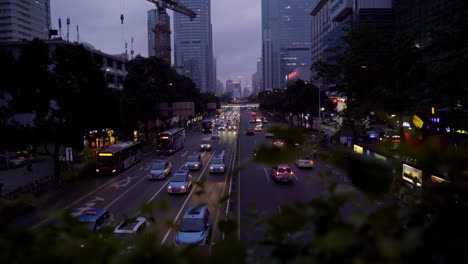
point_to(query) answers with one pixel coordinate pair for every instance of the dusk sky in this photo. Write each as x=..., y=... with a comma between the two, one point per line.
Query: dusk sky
x=236, y=30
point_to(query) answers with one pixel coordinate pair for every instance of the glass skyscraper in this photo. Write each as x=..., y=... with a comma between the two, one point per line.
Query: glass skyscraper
x=286, y=39
x=193, y=45
x=152, y=20
x=26, y=19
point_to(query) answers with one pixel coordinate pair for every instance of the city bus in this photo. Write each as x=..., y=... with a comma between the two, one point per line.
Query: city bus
x=118, y=157
x=207, y=125
x=169, y=141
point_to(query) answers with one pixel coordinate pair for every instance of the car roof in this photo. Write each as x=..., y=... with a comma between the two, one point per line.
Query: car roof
x=195, y=212
x=91, y=215
x=182, y=172
x=130, y=226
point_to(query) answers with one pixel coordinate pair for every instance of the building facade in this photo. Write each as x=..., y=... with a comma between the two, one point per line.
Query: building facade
x=330, y=21
x=286, y=39
x=152, y=21
x=24, y=20
x=193, y=45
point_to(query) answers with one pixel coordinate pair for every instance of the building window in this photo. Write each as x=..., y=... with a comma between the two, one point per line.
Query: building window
x=110, y=62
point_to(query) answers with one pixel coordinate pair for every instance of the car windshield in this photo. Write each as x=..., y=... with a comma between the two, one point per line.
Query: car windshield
x=192, y=158
x=178, y=178
x=158, y=166
x=205, y=142
x=284, y=170
x=191, y=225
x=217, y=161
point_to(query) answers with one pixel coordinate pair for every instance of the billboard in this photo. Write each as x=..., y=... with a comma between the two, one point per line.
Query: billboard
x=412, y=175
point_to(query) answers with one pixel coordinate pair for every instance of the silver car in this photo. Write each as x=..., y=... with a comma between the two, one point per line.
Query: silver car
x=180, y=182
x=194, y=228
x=194, y=162
x=160, y=170
x=206, y=144
x=217, y=164
x=282, y=173
x=305, y=162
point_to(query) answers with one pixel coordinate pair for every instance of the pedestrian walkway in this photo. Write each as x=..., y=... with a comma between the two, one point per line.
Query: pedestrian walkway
x=41, y=167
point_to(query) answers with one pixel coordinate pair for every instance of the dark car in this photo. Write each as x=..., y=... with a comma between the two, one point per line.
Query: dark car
x=250, y=132
x=96, y=218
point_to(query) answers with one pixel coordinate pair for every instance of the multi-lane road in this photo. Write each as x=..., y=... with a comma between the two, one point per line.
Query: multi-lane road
x=124, y=194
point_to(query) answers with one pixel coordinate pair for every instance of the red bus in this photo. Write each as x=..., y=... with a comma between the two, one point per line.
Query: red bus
x=118, y=157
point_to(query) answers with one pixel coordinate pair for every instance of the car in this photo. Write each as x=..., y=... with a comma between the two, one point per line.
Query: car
x=194, y=227
x=282, y=173
x=278, y=142
x=265, y=120
x=180, y=182
x=206, y=144
x=232, y=127
x=305, y=162
x=215, y=135
x=160, y=170
x=269, y=135
x=194, y=162
x=252, y=120
x=222, y=127
x=258, y=128
x=250, y=132
x=131, y=226
x=217, y=164
x=96, y=218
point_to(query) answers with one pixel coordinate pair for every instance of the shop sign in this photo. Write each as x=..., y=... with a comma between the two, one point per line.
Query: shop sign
x=412, y=175
x=417, y=121
x=358, y=149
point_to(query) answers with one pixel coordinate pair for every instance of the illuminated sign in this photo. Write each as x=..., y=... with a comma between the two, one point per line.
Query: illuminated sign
x=292, y=75
x=437, y=179
x=417, y=121
x=412, y=175
x=380, y=156
x=106, y=154
x=406, y=124
x=358, y=149
x=164, y=137
x=461, y=131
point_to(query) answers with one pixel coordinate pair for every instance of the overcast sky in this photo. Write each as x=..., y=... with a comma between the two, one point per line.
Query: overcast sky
x=236, y=30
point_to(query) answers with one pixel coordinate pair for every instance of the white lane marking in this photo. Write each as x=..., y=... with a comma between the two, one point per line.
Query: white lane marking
x=160, y=189
x=203, y=154
x=185, y=153
x=185, y=203
x=88, y=205
x=266, y=174
x=255, y=142
x=124, y=182
x=297, y=179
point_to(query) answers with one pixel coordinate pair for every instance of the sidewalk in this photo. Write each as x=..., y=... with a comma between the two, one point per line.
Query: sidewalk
x=42, y=167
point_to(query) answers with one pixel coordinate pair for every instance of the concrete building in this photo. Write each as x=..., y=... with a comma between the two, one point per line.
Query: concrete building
x=286, y=39
x=113, y=66
x=331, y=18
x=229, y=87
x=300, y=73
x=257, y=78
x=193, y=45
x=152, y=21
x=24, y=20
x=219, y=88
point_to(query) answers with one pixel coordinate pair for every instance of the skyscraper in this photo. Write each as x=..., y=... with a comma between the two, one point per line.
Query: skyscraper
x=286, y=39
x=193, y=47
x=152, y=20
x=24, y=19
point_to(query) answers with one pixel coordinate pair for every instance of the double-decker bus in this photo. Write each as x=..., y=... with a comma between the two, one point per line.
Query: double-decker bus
x=207, y=125
x=118, y=157
x=169, y=141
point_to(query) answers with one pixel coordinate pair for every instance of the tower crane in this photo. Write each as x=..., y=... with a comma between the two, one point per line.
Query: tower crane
x=162, y=29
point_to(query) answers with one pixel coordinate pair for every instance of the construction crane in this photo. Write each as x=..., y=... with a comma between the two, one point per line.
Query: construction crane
x=162, y=30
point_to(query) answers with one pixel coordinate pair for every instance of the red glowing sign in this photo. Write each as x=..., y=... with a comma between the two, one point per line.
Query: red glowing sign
x=292, y=74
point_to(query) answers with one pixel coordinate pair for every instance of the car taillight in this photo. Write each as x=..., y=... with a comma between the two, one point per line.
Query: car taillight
x=292, y=173
x=277, y=173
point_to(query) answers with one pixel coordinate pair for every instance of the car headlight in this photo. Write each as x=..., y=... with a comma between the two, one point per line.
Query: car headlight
x=211, y=168
x=169, y=187
x=97, y=170
x=209, y=146
x=222, y=168
x=196, y=165
x=114, y=171
x=182, y=187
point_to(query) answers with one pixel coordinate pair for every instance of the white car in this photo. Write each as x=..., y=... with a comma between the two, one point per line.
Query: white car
x=132, y=226
x=217, y=164
x=258, y=128
x=305, y=162
x=180, y=182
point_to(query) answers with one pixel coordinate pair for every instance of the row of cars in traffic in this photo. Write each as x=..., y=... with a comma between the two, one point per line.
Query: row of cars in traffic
x=194, y=227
